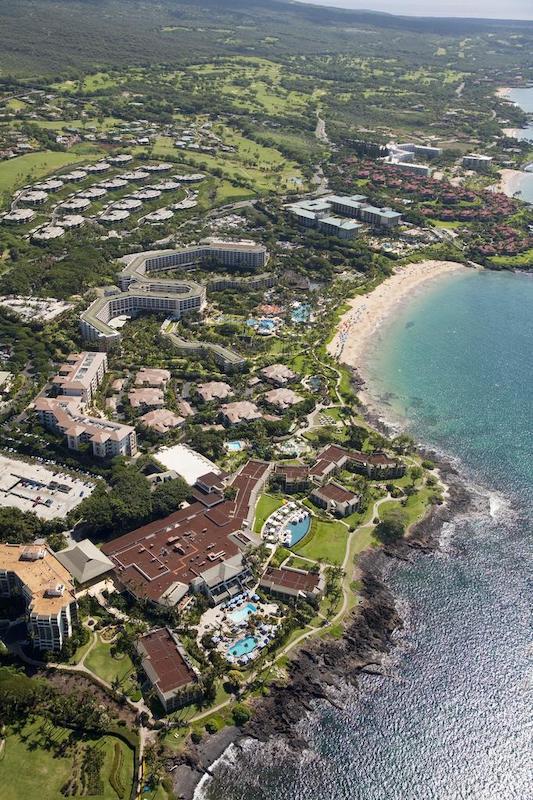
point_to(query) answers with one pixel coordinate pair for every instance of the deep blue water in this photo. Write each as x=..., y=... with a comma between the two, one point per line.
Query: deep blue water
x=452, y=720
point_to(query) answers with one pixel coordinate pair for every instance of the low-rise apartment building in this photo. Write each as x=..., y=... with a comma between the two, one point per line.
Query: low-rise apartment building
x=108, y=439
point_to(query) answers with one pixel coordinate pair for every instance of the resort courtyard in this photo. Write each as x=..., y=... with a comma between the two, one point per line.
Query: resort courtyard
x=240, y=628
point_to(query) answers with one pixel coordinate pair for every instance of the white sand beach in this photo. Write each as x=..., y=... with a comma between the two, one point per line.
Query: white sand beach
x=510, y=180
x=367, y=312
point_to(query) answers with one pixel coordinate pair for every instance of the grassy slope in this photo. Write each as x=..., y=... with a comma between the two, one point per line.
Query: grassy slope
x=37, y=741
x=17, y=171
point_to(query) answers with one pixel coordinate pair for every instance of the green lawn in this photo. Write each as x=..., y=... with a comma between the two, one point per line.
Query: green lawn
x=101, y=662
x=326, y=541
x=265, y=507
x=32, y=765
x=415, y=508
x=16, y=172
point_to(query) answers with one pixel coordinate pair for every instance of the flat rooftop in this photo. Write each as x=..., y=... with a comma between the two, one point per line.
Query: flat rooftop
x=45, y=577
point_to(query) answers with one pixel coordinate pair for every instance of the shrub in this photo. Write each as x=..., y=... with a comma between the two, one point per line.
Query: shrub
x=241, y=714
x=211, y=726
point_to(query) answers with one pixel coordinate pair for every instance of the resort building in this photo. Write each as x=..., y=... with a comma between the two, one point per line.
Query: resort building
x=33, y=573
x=378, y=466
x=197, y=549
x=292, y=584
x=168, y=669
x=293, y=478
x=408, y=166
x=156, y=378
x=161, y=420
x=242, y=411
x=282, y=398
x=278, y=374
x=63, y=415
x=336, y=226
x=146, y=398
x=336, y=499
x=85, y=562
x=353, y=206
x=477, y=163
x=81, y=375
x=242, y=254
x=213, y=390
x=175, y=299
x=140, y=292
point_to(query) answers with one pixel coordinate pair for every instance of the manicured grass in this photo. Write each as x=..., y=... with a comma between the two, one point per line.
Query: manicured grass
x=32, y=766
x=326, y=541
x=16, y=172
x=226, y=192
x=415, y=508
x=265, y=507
x=101, y=662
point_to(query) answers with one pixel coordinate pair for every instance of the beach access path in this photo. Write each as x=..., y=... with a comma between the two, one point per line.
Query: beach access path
x=368, y=312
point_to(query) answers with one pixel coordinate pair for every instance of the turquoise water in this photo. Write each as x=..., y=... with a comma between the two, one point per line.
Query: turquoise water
x=243, y=613
x=235, y=446
x=451, y=720
x=298, y=530
x=243, y=647
x=301, y=313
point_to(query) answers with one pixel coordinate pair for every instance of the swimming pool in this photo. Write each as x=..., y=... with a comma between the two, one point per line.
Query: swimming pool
x=243, y=613
x=234, y=447
x=299, y=529
x=243, y=647
x=301, y=313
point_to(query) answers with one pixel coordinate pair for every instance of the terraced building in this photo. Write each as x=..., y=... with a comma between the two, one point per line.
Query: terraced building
x=140, y=291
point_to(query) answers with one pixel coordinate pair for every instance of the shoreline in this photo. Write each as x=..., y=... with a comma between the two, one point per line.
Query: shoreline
x=319, y=665
x=510, y=180
x=368, y=312
x=369, y=631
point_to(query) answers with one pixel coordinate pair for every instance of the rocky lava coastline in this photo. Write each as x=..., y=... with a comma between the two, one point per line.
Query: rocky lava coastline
x=320, y=665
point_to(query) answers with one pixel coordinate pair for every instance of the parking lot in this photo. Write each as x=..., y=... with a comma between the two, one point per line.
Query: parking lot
x=32, y=487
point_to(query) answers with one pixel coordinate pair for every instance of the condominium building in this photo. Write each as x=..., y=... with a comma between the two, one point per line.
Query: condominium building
x=33, y=573
x=64, y=415
x=477, y=162
x=80, y=375
x=313, y=213
x=336, y=226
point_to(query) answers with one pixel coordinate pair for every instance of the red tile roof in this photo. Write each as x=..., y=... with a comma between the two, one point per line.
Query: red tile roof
x=185, y=544
x=170, y=668
x=292, y=579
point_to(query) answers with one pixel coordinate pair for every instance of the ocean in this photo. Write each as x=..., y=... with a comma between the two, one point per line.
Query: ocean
x=452, y=718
